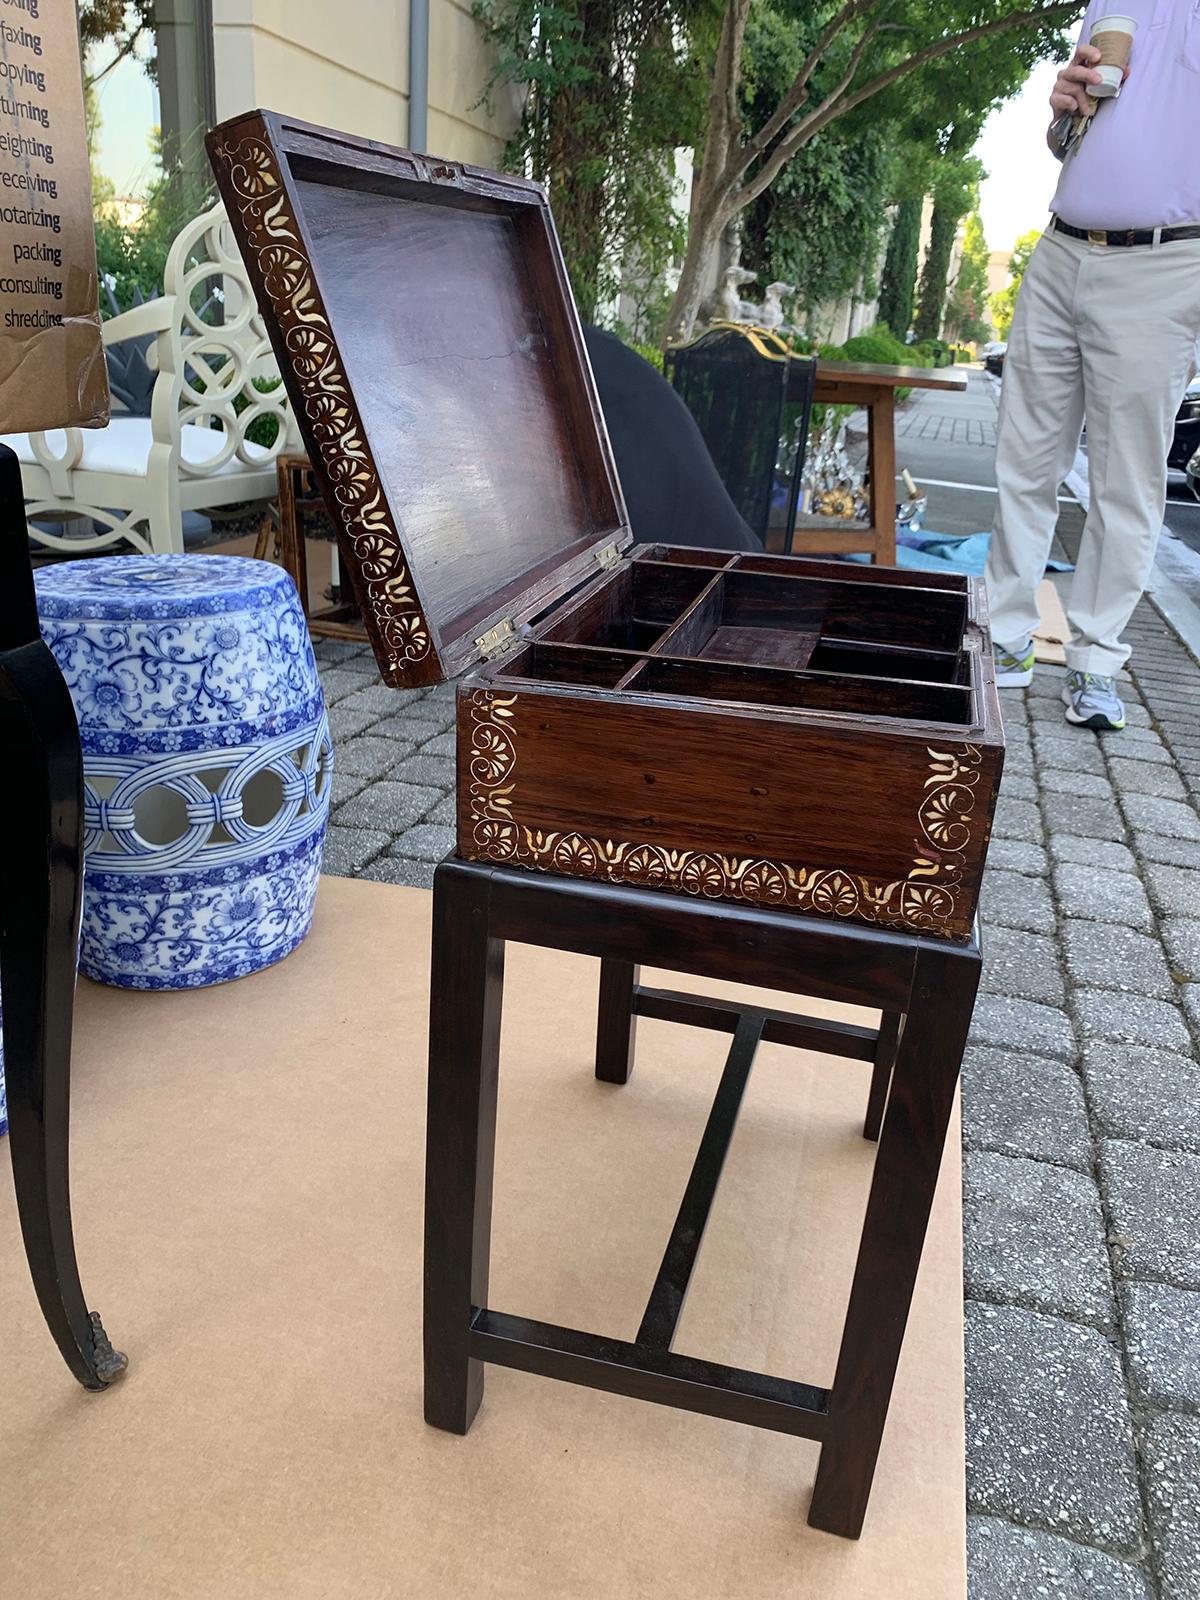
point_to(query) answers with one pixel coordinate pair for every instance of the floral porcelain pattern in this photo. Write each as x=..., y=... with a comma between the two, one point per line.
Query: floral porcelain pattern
x=195, y=685
x=159, y=659
x=189, y=929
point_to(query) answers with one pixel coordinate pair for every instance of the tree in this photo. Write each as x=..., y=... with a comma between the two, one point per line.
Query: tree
x=955, y=192
x=859, y=49
x=124, y=23
x=931, y=295
x=899, y=276
x=610, y=89
x=966, y=306
x=1004, y=302
x=818, y=227
x=822, y=224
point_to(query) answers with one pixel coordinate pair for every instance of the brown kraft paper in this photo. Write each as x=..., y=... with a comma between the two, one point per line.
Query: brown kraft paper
x=1115, y=47
x=52, y=370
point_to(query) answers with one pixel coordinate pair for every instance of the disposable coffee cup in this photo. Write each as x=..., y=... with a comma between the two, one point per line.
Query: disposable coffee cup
x=1113, y=37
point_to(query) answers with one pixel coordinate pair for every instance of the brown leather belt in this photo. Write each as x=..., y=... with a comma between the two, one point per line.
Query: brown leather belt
x=1124, y=236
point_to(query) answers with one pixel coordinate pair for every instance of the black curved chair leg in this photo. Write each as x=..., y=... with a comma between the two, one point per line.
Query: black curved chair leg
x=41, y=860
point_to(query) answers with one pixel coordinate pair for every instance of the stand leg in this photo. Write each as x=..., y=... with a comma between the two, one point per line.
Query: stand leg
x=881, y=443
x=464, y=1057
x=40, y=887
x=616, y=1024
x=906, y=1173
x=293, y=555
x=890, y=1024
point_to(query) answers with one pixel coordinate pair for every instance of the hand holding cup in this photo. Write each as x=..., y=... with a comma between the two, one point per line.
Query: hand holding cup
x=1112, y=36
x=1076, y=82
x=1088, y=76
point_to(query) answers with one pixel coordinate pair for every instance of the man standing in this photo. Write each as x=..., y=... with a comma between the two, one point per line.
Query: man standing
x=1105, y=329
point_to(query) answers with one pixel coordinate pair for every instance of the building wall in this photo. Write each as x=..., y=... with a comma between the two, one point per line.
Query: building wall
x=997, y=270
x=344, y=64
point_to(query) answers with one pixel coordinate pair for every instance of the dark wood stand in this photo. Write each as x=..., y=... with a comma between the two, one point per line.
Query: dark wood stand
x=925, y=988
x=297, y=493
x=41, y=875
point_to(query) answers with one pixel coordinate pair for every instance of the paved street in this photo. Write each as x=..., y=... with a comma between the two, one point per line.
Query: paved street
x=951, y=439
x=1081, y=1088
x=948, y=443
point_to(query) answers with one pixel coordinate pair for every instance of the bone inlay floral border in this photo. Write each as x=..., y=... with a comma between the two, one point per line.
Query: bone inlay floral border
x=925, y=901
x=275, y=251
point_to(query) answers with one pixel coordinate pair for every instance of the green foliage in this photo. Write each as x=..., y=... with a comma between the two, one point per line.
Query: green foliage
x=818, y=225
x=939, y=353
x=126, y=25
x=962, y=87
x=955, y=192
x=648, y=352
x=263, y=430
x=610, y=89
x=901, y=65
x=132, y=255
x=1004, y=302
x=877, y=344
x=966, y=306
x=943, y=225
x=881, y=344
x=900, y=266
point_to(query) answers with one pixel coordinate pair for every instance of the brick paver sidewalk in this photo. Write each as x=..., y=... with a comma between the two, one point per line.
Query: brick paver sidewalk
x=1081, y=1112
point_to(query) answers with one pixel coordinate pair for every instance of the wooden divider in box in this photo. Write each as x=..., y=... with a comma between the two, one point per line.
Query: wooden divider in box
x=793, y=732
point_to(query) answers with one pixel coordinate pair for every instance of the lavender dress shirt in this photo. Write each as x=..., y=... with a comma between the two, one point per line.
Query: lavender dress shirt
x=1139, y=163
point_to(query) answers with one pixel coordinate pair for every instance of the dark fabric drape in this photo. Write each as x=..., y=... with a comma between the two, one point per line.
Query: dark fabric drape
x=737, y=398
x=673, y=491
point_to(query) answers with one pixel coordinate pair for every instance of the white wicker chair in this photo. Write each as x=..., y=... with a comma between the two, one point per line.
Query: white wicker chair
x=139, y=475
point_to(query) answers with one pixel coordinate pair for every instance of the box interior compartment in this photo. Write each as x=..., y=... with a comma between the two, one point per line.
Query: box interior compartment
x=708, y=625
x=633, y=608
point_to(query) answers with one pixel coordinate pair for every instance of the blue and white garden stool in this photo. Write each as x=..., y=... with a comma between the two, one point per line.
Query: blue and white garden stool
x=207, y=763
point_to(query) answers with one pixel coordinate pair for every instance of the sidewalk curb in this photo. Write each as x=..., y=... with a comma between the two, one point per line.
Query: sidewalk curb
x=1176, y=607
x=1168, y=597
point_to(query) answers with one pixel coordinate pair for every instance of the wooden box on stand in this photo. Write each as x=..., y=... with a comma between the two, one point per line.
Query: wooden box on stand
x=790, y=733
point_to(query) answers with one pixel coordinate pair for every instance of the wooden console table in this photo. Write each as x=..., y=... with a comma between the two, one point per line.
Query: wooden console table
x=872, y=388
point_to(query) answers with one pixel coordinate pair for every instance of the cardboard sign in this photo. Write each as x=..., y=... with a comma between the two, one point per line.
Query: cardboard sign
x=52, y=370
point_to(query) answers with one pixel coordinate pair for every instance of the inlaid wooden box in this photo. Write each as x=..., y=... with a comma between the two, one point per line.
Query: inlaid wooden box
x=789, y=732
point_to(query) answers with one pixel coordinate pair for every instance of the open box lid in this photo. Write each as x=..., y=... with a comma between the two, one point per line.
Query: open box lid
x=424, y=325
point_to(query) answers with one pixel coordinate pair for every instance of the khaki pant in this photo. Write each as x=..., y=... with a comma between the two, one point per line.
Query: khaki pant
x=1108, y=334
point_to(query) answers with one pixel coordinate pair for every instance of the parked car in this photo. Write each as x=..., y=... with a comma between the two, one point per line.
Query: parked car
x=993, y=358
x=1186, y=442
x=1193, y=474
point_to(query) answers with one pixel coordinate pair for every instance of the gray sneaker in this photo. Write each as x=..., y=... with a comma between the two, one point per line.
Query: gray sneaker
x=1092, y=702
x=1014, y=668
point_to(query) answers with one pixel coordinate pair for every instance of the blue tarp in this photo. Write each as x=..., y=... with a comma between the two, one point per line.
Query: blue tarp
x=947, y=552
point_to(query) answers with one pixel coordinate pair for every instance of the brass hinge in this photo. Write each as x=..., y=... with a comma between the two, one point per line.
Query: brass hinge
x=497, y=640
x=608, y=557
